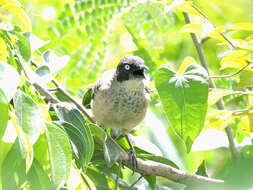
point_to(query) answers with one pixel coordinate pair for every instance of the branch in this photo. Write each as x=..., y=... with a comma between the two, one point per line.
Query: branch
x=237, y=72
x=220, y=103
x=145, y=167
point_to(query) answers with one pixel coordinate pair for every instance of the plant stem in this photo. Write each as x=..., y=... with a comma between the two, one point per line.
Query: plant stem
x=237, y=72
x=220, y=103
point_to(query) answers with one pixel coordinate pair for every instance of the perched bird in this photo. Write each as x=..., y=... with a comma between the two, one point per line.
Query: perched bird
x=121, y=97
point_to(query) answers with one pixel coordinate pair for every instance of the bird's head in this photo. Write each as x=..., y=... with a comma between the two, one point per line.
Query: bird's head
x=130, y=67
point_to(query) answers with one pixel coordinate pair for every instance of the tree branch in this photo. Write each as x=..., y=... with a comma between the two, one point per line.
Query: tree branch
x=145, y=167
x=220, y=103
x=237, y=72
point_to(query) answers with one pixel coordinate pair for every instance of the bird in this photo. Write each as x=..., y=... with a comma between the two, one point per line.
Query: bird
x=120, y=98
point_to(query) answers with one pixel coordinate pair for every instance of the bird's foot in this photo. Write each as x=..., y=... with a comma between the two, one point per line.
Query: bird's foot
x=133, y=159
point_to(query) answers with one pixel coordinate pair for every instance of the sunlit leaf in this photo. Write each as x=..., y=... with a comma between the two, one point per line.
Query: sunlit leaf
x=187, y=61
x=4, y=116
x=242, y=26
x=28, y=116
x=16, y=10
x=37, y=178
x=111, y=151
x=89, y=182
x=246, y=80
x=60, y=153
x=217, y=94
x=178, y=93
x=3, y=50
x=244, y=125
x=9, y=80
x=44, y=74
x=25, y=147
x=184, y=6
x=218, y=119
x=192, y=28
x=12, y=169
x=209, y=30
x=235, y=59
x=54, y=62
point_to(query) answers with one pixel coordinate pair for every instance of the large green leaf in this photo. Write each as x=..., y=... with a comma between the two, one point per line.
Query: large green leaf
x=78, y=141
x=37, y=178
x=184, y=99
x=4, y=117
x=9, y=79
x=74, y=117
x=60, y=153
x=13, y=169
x=28, y=116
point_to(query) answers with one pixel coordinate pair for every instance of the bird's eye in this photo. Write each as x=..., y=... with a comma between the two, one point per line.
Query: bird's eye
x=127, y=67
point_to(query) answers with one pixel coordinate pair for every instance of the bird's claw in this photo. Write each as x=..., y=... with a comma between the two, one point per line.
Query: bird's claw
x=133, y=160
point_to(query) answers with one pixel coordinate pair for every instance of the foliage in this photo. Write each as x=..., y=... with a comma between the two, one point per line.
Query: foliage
x=53, y=145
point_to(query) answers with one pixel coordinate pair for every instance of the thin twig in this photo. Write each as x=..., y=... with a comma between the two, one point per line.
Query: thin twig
x=72, y=99
x=131, y=186
x=204, y=16
x=117, y=178
x=237, y=72
x=220, y=103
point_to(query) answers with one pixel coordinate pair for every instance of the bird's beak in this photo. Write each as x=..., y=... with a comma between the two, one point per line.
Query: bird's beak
x=144, y=67
x=140, y=71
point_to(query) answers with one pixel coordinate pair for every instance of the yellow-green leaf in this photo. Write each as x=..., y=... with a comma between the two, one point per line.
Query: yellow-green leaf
x=242, y=26
x=235, y=59
x=218, y=119
x=192, y=28
x=18, y=12
x=3, y=50
x=185, y=7
x=246, y=80
x=187, y=61
x=217, y=94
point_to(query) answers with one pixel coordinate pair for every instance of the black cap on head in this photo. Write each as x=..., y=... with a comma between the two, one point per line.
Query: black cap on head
x=130, y=67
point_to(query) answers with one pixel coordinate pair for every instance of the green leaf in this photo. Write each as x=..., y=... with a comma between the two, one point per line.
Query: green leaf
x=87, y=98
x=28, y=116
x=111, y=151
x=246, y=80
x=60, y=153
x=4, y=115
x=97, y=132
x=54, y=62
x=9, y=79
x=184, y=99
x=37, y=178
x=23, y=46
x=152, y=181
x=158, y=159
x=13, y=169
x=79, y=141
x=74, y=117
x=98, y=177
x=41, y=150
x=202, y=169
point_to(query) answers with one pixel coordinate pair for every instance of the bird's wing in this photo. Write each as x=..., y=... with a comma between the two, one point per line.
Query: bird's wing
x=103, y=82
